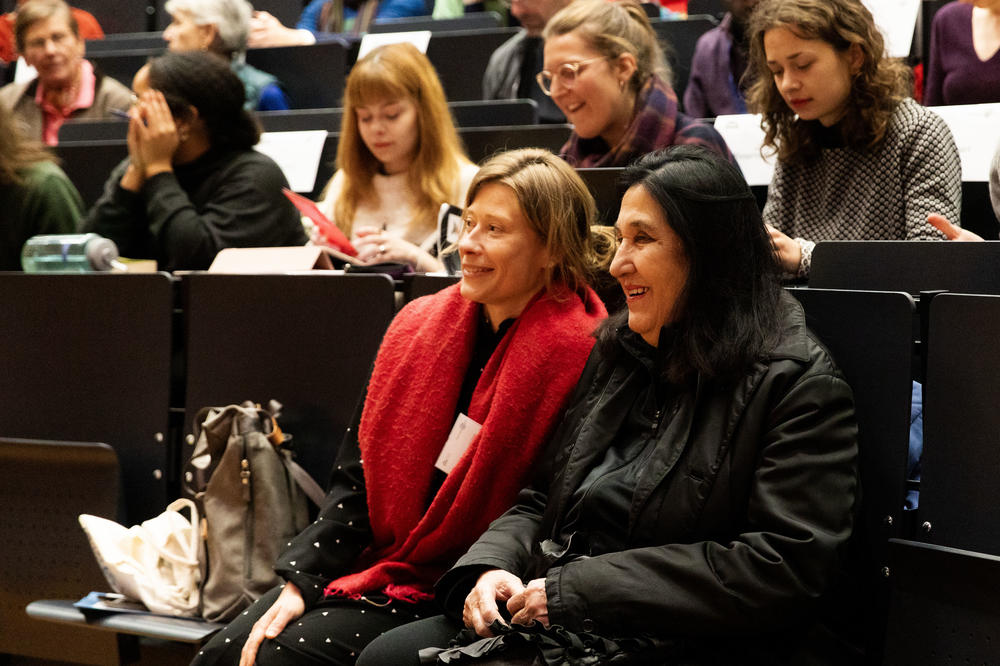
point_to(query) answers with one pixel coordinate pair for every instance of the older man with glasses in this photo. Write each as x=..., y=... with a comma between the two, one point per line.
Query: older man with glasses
x=67, y=86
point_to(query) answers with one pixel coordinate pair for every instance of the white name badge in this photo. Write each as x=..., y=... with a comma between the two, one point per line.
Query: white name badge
x=461, y=435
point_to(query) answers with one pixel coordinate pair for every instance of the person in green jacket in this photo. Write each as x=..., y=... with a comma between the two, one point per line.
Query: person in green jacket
x=36, y=197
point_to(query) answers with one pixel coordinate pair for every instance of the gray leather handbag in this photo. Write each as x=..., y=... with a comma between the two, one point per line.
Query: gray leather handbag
x=252, y=498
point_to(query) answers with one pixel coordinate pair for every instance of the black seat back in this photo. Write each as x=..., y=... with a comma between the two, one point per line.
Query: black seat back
x=44, y=486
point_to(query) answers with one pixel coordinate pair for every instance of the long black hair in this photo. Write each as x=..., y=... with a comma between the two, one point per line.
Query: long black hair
x=728, y=314
x=205, y=81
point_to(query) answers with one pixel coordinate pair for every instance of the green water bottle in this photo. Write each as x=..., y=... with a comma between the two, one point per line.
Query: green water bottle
x=69, y=253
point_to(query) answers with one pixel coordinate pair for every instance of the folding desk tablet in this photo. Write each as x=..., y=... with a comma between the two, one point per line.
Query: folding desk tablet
x=306, y=340
x=474, y=21
x=944, y=608
x=114, y=15
x=869, y=335
x=960, y=484
x=89, y=164
x=603, y=185
x=475, y=113
x=460, y=58
x=87, y=358
x=311, y=75
x=494, y=112
x=44, y=486
x=910, y=266
x=94, y=130
x=483, y=142
x=122, y=65
x=416, y=286
x=126, y=41
x=679, y=39
x=714, y=8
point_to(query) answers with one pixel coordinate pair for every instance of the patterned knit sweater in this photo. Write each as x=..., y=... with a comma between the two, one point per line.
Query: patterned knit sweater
x=885, y=194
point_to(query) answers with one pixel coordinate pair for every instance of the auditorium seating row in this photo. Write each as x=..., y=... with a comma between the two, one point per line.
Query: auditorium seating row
x=88, y=162
x=128, y=359
x=313, y=76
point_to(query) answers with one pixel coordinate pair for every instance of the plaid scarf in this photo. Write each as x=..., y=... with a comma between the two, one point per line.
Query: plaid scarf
x=653, y=125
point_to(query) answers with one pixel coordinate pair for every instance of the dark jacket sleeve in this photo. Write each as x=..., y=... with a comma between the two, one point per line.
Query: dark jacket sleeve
x=787, y=489
x=324, y=550
x=52, y=204
x=695, y=102
x=246, y=209
x=119, y=215
x=933, y=74
x=799, y=516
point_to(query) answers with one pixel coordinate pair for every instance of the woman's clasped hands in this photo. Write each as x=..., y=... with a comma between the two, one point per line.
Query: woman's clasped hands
x=375, y=246
x=526, y=603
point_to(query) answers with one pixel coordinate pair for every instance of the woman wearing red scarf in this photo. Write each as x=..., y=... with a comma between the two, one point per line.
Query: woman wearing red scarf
x=504, y=349
x=605, y=70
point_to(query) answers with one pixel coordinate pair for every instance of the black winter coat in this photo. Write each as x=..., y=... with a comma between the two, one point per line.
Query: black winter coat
x=738, y=519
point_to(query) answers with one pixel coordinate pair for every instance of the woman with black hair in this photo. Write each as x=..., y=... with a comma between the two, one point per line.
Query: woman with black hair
x=699, y=491
x=192, y=183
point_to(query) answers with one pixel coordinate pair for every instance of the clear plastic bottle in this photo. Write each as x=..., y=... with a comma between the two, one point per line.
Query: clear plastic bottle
x=69, y=253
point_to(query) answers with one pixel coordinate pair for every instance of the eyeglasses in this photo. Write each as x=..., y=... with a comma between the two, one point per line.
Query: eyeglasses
x=567, y=73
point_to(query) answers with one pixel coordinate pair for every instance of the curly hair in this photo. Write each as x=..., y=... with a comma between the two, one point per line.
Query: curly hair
x=876, y=90
x=614, y=28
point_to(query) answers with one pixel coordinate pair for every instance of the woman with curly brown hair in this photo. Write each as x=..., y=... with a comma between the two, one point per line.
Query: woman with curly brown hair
x=858, y=159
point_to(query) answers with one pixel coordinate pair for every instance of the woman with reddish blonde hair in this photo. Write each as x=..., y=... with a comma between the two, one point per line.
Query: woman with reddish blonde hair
x=399, y=159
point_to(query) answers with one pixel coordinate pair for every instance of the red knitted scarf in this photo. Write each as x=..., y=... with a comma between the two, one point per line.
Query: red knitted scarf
x=409, y=412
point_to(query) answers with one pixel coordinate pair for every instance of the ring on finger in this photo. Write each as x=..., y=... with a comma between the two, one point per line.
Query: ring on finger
x=381, y=249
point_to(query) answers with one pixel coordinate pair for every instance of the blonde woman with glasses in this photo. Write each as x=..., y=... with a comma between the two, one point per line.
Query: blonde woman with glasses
x=605, y=70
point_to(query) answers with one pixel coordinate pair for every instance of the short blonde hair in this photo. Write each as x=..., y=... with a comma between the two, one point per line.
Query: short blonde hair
x=559, y=208
x=614, y=28
x=398, y=71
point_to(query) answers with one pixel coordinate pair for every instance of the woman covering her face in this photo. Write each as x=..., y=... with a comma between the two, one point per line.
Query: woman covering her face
x=499, y=352
x=605, y=71
x=696, y=498
x=192, y=183
x=857, y=158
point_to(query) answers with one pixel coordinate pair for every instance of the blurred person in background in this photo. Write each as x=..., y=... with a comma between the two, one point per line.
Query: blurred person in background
x=67, y=85
x=36, y=197
x=222, y=27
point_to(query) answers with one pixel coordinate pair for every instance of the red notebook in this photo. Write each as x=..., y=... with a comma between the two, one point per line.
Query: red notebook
x=328, y=229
